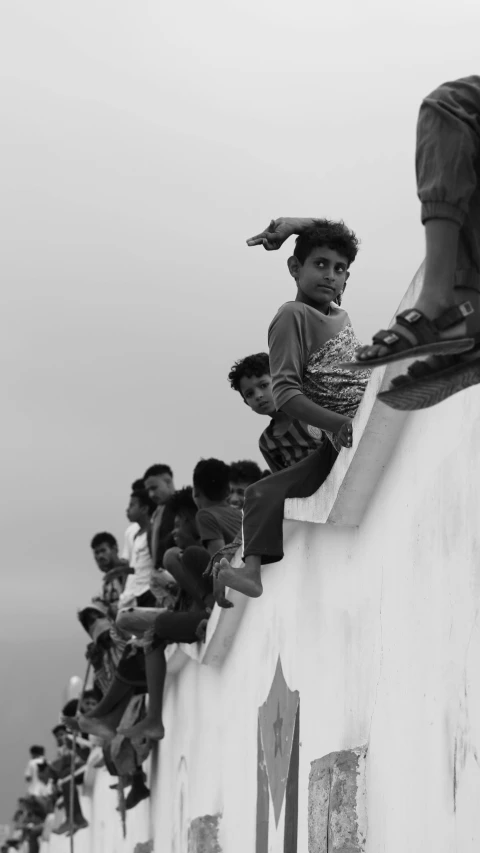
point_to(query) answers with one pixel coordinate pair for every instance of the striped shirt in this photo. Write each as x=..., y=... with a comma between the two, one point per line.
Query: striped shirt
x=286, y=442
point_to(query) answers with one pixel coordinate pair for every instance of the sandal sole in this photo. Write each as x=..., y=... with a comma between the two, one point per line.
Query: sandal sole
x=424, y=393
x=454, y=347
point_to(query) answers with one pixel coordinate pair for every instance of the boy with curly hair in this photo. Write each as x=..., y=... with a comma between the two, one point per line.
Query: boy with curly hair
x=308, y=339
x=285, y=441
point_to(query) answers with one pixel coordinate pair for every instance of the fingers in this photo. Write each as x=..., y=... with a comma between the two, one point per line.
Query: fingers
x=345, y=435
x=264, y=238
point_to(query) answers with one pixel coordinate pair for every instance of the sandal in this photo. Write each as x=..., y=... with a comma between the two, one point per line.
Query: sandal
x=428, y=383
x=414, y=334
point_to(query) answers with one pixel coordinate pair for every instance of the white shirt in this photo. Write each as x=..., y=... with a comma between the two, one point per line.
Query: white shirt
x=35, y=787
x=128, y=540
x=142, y=564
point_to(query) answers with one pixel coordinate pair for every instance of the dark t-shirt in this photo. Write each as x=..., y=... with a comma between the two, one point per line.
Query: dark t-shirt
x=218, y=522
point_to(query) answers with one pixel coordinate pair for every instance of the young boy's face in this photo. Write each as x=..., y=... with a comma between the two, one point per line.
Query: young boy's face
x=321, y=278
x=160, y=488
x=88, y=704
x=136, y=511
x=184, y=531
x=237, y=493
x=257, y=393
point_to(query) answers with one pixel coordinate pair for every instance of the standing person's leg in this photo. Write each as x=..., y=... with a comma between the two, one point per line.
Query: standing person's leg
x=78, y=818
x=263, y=518
x=169, y=628
x=448, y=185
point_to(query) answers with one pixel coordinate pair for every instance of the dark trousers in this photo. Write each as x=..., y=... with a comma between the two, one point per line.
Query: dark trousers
x=448, y=168
x=179, y=626
x=264, y=502
x=171, y=627
x=77, y=810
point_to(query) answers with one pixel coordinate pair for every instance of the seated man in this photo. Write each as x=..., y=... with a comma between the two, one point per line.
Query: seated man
x=243, y=474
x=218, y=524
x=105, y=551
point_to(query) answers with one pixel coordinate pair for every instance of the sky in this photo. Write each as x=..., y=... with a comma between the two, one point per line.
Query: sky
x=142, y=143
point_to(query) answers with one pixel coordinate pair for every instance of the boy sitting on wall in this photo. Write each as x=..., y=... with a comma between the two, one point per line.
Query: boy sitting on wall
x=308, y=338
x=285, y=441
x=217, y=524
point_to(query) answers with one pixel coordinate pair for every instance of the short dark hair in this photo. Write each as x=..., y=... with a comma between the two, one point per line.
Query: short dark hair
x=139, y=491
x=37, y=751
x=182, y=502
x=323, y=232
x=253, y=365
x=103, y=539
x=212, y=478
x=70, y=709
x=245, y=471
x=94, y=693
x=157, y=470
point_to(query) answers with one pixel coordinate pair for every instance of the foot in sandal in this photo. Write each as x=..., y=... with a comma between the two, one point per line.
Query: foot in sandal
x=414, y=334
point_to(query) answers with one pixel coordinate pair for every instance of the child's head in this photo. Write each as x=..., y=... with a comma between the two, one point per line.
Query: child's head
x=90, y=701
x=70, y=708
x=141, y=506
x=184, y=509
x=242, y=474
x=251, y=378
x=37, y=751
x=105, y=550
x=158, y=481
x=60, y=734
x=320, y=262
x=211, y=482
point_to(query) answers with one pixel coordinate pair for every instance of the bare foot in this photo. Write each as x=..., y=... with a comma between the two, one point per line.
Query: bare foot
x=96, y=726
x=145, y=728
x=219, y=593
x=246, y=579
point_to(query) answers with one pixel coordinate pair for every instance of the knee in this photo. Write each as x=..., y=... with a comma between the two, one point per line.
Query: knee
x=163, y=623
x=123, y=620
x=195, y=559
x=171, y=559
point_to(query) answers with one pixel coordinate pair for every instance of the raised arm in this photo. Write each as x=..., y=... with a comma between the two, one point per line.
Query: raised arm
x=278, y=231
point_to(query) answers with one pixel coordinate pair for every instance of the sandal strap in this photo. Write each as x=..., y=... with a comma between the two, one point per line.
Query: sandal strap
x=388, y=337
x=454, y=315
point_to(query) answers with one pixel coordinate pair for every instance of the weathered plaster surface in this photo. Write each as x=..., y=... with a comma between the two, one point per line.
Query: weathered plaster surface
x=203, y=835
x=337, y=818
x=377, y=626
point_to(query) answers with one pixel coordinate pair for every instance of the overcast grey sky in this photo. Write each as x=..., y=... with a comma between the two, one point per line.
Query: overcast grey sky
x=141, y=144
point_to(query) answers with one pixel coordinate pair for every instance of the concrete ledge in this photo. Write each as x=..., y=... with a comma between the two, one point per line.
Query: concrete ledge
x=344, y=496
x=341, y=500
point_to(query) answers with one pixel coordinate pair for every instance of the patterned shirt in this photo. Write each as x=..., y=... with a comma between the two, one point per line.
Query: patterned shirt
x=305, y=348
x=286, y=442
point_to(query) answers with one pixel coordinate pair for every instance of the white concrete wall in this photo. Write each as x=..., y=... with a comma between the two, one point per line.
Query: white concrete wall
x=377, y=628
